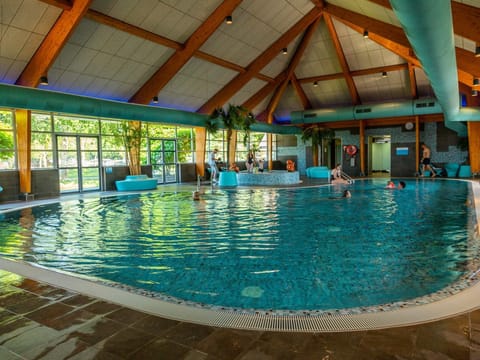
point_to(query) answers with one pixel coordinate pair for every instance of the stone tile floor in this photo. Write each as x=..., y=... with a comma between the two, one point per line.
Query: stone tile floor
x=39, y=321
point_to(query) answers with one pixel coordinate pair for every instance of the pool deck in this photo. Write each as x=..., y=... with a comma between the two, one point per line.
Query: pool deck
x=41, y=321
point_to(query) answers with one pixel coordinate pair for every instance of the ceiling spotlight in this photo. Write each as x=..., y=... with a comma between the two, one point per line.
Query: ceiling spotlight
x=365, y=34
x=228, y=19
x=155, y=99
x=284, y=51
x=315, y=83
x=43, y=80
x=384, y=74
x=474, y=93
x=477, y=51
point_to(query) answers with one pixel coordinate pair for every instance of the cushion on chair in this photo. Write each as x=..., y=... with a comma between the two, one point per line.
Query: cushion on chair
x=452, y=169
x=319, y=172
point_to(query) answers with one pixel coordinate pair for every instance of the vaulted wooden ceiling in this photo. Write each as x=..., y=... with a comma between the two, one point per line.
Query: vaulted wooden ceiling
x=184, y=53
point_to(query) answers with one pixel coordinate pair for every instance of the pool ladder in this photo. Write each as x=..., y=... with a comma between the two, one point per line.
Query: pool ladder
x=347, y=177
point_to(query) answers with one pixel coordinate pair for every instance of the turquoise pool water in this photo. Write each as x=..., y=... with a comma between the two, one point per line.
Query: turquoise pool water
x=287, y=249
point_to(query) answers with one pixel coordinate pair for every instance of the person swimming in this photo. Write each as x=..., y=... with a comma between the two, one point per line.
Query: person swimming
x=390, y=185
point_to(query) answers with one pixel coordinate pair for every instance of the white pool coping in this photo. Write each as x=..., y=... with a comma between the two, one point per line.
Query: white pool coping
x=464, y=301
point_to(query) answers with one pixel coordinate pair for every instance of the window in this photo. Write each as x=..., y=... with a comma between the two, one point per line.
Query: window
x=217, y=141
x=113, y=148
x=76, y=125
x=185, y=144
x=42, y=144
x=257, y=142
x=7, y=141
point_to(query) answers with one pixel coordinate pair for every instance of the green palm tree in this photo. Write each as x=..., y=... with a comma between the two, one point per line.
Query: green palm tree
x=236, y=117
x=317, y=134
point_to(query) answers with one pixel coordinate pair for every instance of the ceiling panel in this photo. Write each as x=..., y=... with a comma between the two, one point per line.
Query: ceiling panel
x=194, y=84
x=23, y=26
x=247, y=91
x=424, y=88
x=328, y=93
x=465, y=43
x=319, y=57
x=280, y=62
x=289, y=102
x=376, y=88
x=475, y=3
x=102, y=61
x=256, y=25
x=362, y=53
x=368, y=8
x=176, y=20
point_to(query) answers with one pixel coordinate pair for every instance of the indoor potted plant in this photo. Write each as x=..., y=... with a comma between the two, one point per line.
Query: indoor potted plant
x=236, y=117
x=317, y=134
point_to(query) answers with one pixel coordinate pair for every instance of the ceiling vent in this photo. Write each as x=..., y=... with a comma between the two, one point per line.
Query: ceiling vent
x=362, y=111
x=424, y=104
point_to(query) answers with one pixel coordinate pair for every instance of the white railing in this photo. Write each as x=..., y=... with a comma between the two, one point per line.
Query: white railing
x=347, y=177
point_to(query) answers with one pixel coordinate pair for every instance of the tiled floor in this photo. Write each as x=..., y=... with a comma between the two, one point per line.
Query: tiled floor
x=38, y=321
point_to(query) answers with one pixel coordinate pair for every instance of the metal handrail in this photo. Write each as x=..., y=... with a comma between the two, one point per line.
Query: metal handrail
x=346, y=177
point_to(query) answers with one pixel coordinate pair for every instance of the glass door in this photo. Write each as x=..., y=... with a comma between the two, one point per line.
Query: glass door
x=163, y=158
x=78, y=163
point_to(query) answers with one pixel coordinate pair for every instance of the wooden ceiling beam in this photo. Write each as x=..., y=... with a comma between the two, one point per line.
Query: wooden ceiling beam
x=274, y=101
x=222, y=96
x=327, y=77
x=466, y=61
x=318, y=3
x=402, y=49
x=258, y=97
x=380, y=69
x=387, y=31
x=52, y=44
x=131, y=29
x=413, y=81
x=342, y=60
x=466, y=19
x=161, y=40
x=63, y=4
x=300, y=93
x=466, y=23
x=384, y=3
x=181, y=56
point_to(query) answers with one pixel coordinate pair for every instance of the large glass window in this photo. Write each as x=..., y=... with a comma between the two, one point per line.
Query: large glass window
x=7, y=141
x=257, y=142
x=113, y=148
x=76, y=125
x=42, y=144
x=185, y=144
x=45, y=126
x=217, y=141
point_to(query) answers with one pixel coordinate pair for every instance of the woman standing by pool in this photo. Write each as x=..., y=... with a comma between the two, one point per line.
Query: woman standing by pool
x=250, y=161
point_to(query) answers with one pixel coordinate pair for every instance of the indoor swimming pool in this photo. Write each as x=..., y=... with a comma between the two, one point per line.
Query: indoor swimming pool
x=287, y=250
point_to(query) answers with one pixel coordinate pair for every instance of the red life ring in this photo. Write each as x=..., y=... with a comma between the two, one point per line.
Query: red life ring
x=351, y=150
